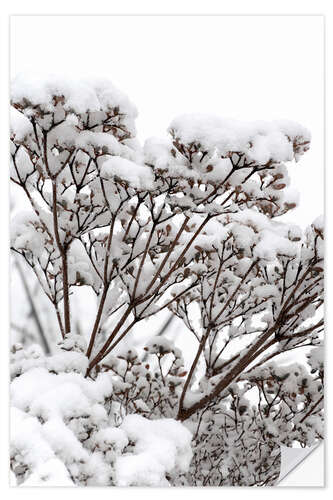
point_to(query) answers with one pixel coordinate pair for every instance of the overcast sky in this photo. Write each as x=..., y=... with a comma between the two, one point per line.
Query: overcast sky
x=246, y=67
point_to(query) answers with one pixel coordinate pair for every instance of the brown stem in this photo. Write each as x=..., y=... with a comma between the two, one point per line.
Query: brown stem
x=97, y=321
x=185, y=413
x=143, y=261
x=303, y=332
x=33, y=308
x=61, y=326
x=132, y=219
x=116, y=342
x=61, y=247
x=66, y=292
x=219, y=370
x=292, y=293
x=107, y=344
x=108, y=248
x=313, y=407
x=181, y=256
x=255, y=350
x=214, y=289
x=105, y=290
x=215, y=190
x=192, y=369
x=236, y=290
x=172, y=246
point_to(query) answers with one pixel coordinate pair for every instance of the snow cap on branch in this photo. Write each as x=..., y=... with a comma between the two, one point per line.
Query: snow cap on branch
x=43, y=93
x=261, y=141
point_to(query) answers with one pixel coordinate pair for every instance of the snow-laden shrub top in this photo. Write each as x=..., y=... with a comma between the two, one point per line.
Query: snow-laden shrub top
x=260, y=142
x=41, y=97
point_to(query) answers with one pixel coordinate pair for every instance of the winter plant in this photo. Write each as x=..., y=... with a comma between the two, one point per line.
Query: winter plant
x=189, y=224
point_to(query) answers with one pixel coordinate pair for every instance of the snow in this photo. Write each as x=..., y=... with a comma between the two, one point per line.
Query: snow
x=111, y=438
x=319, y=223
x=137, y=176
x=74, y=342
x=272, y=244
x=272, y=146
x=141, y=405
x=265, y=291
x=250, y=228
x=160, y=447
x=25, y=166
x=52, y=473
x=160, y=345
x=316, y=358
x=48, y=394
x=260, y=141
x=157, y=152
x=31, y=449
x=23, y=234
x=62, y=434
x=63, y=441
x=102, y=142
x=80, y=95
x=271, y=238
x=70, y=362
x=20, y=126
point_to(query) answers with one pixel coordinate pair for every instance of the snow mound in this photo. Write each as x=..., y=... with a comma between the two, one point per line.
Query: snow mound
x=137, y=176
x=261, y=141
x=78, y=95
x=67, y=430
x=160, y=447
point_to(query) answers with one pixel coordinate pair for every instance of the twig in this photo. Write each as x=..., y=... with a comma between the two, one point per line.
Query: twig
x=33, y=308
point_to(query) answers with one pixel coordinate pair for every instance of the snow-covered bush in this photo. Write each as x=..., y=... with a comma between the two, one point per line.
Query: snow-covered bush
x=66, y=428
x=185, y=224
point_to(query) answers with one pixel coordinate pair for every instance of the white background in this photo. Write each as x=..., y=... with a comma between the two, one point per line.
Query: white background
x=267, y=71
